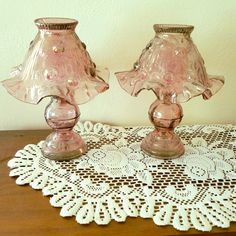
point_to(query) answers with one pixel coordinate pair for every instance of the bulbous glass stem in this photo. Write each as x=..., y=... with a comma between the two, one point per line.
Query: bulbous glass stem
x=163, y=142
x=63, y=143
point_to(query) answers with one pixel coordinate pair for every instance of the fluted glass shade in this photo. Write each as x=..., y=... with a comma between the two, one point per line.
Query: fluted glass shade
x=171, y=62
x=57, y=64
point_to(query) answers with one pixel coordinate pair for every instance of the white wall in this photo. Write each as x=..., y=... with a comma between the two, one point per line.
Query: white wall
x=115, y=33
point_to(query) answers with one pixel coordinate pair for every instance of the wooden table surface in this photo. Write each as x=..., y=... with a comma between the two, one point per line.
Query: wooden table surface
x=25, y=211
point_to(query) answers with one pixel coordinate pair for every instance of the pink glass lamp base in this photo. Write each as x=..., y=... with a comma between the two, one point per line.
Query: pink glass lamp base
x=163, y=142
x=63, y=143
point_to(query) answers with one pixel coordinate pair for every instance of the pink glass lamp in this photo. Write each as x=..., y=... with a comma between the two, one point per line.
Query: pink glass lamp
x=58, y=65
x=173, y=69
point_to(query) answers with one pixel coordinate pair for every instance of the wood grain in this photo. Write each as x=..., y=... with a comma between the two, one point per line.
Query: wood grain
x=25, y=212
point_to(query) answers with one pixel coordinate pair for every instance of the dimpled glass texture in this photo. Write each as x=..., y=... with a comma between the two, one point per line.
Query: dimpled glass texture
x=174, y=70
x=58, y=65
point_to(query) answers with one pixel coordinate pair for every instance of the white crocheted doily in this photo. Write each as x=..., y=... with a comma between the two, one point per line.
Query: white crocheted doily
x=115, y=179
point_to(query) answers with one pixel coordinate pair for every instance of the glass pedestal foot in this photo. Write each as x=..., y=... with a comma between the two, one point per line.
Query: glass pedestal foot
x=163, y=144
x=63, y=145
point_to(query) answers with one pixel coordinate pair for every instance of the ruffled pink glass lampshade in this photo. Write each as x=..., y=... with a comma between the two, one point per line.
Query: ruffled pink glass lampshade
x=174, y=70
x=58, y=65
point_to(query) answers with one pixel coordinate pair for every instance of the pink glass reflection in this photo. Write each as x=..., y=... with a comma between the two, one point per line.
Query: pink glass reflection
x=174, y=70
x=58, y=65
